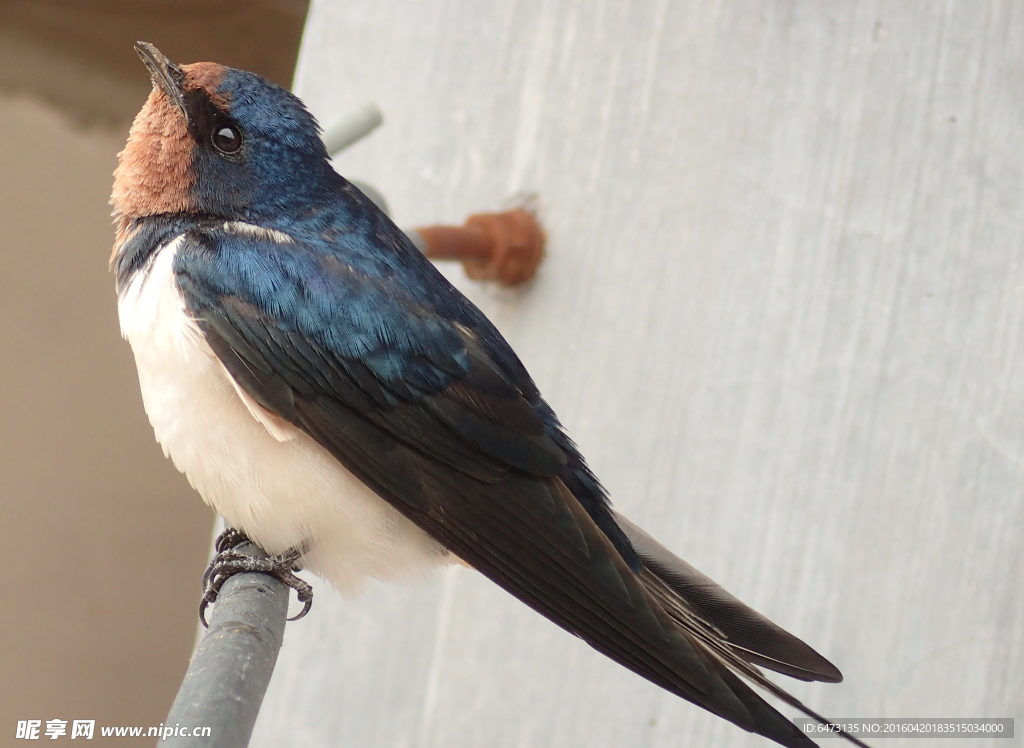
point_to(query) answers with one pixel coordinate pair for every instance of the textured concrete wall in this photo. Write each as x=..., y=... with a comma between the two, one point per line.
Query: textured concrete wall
x=780, y=315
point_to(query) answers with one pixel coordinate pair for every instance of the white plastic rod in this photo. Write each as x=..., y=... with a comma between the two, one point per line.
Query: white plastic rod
x=356, y=125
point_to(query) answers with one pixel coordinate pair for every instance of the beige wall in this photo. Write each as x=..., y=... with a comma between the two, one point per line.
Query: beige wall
x=104, y=541
x=77, y=54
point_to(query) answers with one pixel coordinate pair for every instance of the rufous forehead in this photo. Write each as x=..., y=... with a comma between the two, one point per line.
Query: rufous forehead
x=154, y=175
x=207, y=77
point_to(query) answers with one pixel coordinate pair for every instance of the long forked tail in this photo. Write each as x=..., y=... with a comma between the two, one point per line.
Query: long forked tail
x=737, y=637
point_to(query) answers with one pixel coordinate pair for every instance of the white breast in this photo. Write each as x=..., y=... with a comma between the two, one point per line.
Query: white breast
x=262, y=474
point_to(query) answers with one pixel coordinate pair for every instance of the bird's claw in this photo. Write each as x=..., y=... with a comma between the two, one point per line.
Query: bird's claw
x=227, y=562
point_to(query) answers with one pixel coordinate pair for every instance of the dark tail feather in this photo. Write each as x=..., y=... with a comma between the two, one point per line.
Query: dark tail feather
x=737, y=637
x=754, y=637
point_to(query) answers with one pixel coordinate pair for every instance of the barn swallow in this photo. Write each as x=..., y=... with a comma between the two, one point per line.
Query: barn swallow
x=326, y=390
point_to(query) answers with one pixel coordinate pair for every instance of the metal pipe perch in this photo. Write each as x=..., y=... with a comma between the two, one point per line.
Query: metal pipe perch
x=231, y=668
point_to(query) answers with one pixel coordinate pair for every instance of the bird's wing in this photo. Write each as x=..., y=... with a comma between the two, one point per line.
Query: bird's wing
x=411, y=403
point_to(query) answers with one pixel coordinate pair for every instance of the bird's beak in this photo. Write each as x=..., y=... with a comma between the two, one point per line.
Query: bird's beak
x=164, y=73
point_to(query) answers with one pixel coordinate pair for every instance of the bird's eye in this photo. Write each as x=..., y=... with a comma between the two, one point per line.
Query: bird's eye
x=227, y=138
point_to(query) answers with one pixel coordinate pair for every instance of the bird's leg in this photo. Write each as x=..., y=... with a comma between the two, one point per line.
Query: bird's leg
x=227, y=562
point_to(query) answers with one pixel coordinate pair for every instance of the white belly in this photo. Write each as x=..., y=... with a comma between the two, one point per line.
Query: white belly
x=264, y=476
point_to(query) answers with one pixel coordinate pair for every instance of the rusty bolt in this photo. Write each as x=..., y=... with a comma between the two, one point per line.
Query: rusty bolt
x=505, y=247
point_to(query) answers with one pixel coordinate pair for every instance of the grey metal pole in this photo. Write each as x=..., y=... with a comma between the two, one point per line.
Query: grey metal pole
x=231, y=668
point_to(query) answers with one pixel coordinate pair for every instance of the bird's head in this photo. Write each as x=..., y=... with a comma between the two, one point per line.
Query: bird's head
x=211, y=140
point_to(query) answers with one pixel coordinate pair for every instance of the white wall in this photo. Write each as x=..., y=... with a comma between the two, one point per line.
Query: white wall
x=780, y=315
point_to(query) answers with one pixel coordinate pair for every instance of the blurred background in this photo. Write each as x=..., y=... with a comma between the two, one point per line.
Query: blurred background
x=780, y=313
x=106, y=541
